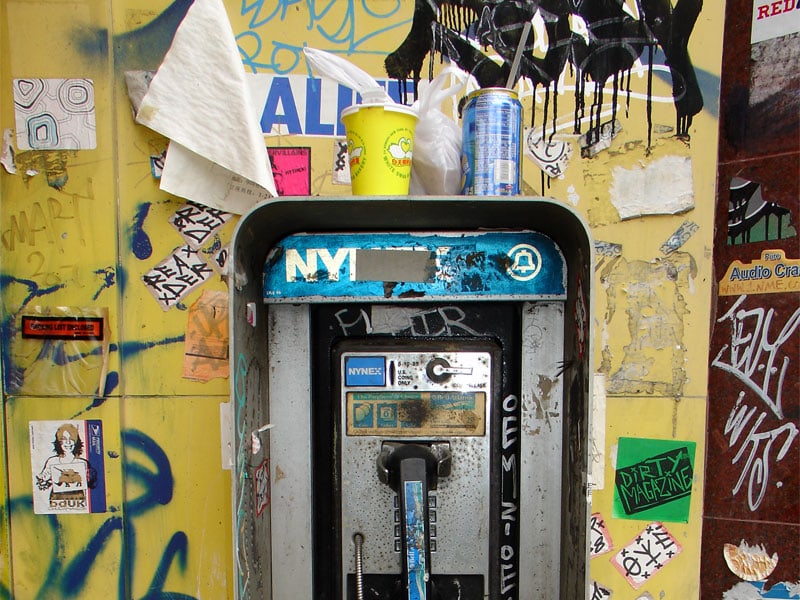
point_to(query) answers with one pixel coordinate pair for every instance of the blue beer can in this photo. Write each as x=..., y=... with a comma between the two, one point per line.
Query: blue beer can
x=491, y=147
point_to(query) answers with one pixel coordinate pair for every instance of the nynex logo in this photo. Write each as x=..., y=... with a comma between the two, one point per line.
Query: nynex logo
x=365, y=371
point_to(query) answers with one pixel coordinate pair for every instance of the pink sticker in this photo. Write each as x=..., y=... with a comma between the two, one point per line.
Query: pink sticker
x=646, y=554
x=600, y=538
x=291, y=170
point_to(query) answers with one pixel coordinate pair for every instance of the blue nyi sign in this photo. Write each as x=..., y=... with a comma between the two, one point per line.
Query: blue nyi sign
x=497, y=265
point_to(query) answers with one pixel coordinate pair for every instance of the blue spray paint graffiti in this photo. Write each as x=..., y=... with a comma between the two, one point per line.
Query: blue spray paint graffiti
x=13, y=375
x=140, y=241
x=334, y=21
x=108, y=274
x=66, y=577
x=240, y=394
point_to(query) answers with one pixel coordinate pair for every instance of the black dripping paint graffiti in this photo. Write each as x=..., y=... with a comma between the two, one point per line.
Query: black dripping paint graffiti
x=617, y=40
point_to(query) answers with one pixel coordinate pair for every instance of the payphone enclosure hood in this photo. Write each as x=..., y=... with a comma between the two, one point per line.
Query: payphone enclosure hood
x=263, y=227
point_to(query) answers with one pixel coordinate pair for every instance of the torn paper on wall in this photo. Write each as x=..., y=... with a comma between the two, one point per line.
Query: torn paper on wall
x=750, y=563
x=205, y=354
x=664, y=187
x=137, y=83
x=7, y=153
x=198, y=98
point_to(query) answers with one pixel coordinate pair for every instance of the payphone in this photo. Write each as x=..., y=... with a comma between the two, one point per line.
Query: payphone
x=420, y=410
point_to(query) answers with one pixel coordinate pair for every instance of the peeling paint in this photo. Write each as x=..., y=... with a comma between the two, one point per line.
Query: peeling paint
x=647, y=299
x=751, y=563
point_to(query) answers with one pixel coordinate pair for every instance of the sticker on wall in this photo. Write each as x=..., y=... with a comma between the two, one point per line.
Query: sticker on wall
x=752, y=218
x=772, y=274
x=607, y=249
x=653, y=479
x=598, y=592
x=751, y=563
x=157, y=164
x=552, y=155
x=340, y=172
x=755, y=591
x=7, y=153
x=197, y=223
x=261, y=482
x=67, y=467
x=646, y=554
x=680, y=237
x=176, y=276
x=599, y=537
x=205, y=354
x=59, y=350
x=55, y=114
x=291, y=170
x=62, y=328
x=773, y=19
x=599, y=138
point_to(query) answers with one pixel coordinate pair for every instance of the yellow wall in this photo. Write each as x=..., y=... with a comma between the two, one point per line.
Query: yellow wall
x=87, y=242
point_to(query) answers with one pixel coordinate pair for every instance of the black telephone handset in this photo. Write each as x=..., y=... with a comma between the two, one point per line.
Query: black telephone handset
x=411, y=470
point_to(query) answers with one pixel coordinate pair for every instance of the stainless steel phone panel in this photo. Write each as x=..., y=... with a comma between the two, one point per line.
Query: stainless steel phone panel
x=380, y=393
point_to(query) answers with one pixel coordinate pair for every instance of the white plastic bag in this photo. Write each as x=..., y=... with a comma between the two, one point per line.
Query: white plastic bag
x=342, y=71
x=436, y=165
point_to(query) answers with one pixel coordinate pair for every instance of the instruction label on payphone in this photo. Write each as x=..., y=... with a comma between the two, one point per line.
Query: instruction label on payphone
x=416, y=394
x=433, y=397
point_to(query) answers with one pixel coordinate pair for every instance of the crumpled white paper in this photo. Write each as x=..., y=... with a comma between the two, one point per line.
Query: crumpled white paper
x=198, y=99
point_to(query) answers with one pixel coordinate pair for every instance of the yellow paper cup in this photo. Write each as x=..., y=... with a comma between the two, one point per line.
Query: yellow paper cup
x=380, y=141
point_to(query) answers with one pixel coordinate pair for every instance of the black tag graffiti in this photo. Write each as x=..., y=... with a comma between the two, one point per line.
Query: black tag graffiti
x=655, y=481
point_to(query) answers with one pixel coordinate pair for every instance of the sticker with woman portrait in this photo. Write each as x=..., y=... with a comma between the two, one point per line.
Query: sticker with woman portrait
x=67, y=467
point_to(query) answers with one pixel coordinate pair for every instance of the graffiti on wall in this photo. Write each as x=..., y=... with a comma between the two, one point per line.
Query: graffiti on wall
x=759, y=429
x=752, y=218
x=607, y=45
x=69, y=576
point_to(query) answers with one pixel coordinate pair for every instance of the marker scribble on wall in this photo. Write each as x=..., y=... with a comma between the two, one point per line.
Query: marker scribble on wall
x=751, y=218
x=612, y=41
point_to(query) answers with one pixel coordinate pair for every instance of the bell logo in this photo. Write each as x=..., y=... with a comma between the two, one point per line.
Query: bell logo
x=524, y=262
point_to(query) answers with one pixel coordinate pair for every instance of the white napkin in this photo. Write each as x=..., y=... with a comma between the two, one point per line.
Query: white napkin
x=199, y=100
